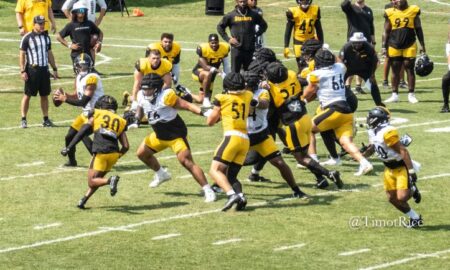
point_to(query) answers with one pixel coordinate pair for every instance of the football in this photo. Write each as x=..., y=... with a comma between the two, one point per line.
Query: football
x=58, y=91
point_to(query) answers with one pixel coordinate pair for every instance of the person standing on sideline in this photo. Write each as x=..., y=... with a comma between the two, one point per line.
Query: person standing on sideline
x=26, y=10
x=259, y=42
x=242, y=22
x=446, y=78
x=359, y=19
x=34, y=56
x=91, y=7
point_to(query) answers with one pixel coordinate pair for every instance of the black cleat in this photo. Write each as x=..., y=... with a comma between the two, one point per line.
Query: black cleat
x=231, y=200
x=403, y=85
x=385, y=84
x=242, y=203
x=71, y=163
x=113, y=182
x=257, y=178
x=445, y=109
x=47, y=123
x=81, y=203
x=322, y=183
x=301, y=195
x=359, y=90
x=335, y=176
x=415, y=223
x=216, y=188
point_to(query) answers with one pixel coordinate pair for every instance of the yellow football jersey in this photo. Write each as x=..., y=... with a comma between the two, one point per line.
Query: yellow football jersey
x=214, y=58
x=282, y=91
x=402, y=21
x=234, y=110
x=143, y=65
x=107, y=126
x=173, y=55
x=304, y=22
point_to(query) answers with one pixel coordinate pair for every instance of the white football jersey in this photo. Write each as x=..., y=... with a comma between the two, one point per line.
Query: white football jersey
x=331, y=83
x=160, y=110
x=257, y=121
x=89, y=4
x=378, y=139
x=82, y=81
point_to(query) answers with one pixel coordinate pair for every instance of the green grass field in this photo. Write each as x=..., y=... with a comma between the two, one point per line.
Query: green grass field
x=170, y=227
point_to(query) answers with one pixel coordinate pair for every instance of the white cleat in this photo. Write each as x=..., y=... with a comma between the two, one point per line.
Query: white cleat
x=364, y=169
x=158, y=180
x=332, y=162
x=412, y=98
x=210, y=196
x=393, y=98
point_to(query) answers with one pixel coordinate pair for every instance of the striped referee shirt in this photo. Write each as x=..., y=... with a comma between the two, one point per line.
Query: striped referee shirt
x=36, y=47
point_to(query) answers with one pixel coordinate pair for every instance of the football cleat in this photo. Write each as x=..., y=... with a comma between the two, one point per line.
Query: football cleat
x=445, y=109
x=210, y=196
x=216, y=188
x=364, y=169
x=242, y=203
x=159, y=180
x=23, y=124
x=322, y=183
x=359, y=90
x=403, y=85
x=47, y=123
x=71, y=163
x=257, y=178
x=301, y=195
x=113, y=182
x=393, y=98
x=385, y=84
x=412, y=98
x=125, y=99
x=231, y=201
x=415, y=223
x=332, y=162
x=335, y=176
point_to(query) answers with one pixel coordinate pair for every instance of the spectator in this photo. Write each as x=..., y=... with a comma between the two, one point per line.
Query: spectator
x=259, y=42
x=34, y=56
x=26, y=10
x=446, y=78
x=242, y=22
x=91, y=6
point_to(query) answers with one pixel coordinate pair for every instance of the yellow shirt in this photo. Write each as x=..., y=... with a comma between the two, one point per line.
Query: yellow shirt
x=214, y=58
x=304, y=22
x=402, y=34
x=170, y=55
x=234, y=110
x=143, y=65
x=282, y=91
x=31, y=9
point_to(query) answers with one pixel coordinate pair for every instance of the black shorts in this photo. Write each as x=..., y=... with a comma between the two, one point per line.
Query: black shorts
x=38, y=81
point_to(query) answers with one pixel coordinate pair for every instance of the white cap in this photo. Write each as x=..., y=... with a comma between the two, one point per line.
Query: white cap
x=358, y=37
x=79, y=5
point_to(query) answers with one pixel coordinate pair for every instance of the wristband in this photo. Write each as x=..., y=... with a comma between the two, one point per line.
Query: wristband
x=20, y=27
x=411, y=171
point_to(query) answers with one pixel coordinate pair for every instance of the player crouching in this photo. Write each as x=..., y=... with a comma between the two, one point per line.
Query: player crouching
x=399, y=173
x=109, y=130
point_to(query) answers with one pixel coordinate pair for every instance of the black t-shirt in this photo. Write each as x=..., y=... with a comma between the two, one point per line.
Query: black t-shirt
x=80, y=33
x=358, y=20
x=363, y=61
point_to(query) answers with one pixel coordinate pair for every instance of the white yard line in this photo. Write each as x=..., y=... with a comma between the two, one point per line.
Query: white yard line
x=289, y=247
x=35, y=125
x=405, y=260
x=166, y=236
x=224, y=242
x=353, y=252
x=439, y=2
x=42, y=227
x=186, y=176
x=36, y=163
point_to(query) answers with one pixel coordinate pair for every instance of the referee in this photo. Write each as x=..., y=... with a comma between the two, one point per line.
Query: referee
x=34, y=56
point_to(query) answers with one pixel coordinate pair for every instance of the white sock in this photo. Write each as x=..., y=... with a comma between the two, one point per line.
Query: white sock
x=206, y=187
x=412, y=214
x=364, y=162
x=206, y=102
x=255, y=171
x=241, y=195
x=160, y=172
x=314, y=156
x=230, y=192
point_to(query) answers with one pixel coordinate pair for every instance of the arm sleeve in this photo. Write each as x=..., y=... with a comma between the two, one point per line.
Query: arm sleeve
x=176, y=59
x=288, y=29
x=319, y=30
x=79, y=102
x=346, y=7
x=221, y=28
x=68, y=4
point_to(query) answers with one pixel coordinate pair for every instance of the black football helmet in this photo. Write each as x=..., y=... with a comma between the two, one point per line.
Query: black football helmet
x=252, y=79
x=324, y=58
x=83, y=64
x=151, y=85
x=106, y=103
x=233, y=82
x=378, y=116
x=424, y=66
x=276, y=72
x=304, y=3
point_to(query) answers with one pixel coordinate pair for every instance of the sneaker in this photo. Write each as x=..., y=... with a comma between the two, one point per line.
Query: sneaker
x=412, y=98
x=210, y=196
x=231, y=201
x=359, y=90
x=47, y=123
x=445, y=109
x=24, y=124
x=335, y=176
x=301, y=195
x=242, y=203
x=364, y=169
x=216, y=188
x=113, y=182
x=385, y=84
x=415, y=223
x=322, y=183
x=393, y=98
x=403, y=85
x=332, y=162
x=257, y=178
x=159, y=180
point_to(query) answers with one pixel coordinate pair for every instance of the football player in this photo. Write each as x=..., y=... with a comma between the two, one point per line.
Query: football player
x=169, y=130
x=285, y=91
x=402, y=25
x=109, y=130
x=211, y=56
x=170, y=50
x=304, y=21
x=88, y=88
x=446, y=78
x=232, y=107
x=261, y=140
x=399, y=173
x=334, y=113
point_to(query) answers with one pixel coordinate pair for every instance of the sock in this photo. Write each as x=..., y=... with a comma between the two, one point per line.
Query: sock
x=206, y=187
x=83, y=201
x=412, y=214
x=296, y=189
x=24, y=118
x=160, y=172
x=241, y=195
x=328, y=138
x=206, y=102
x=45, y=118
x=230, y=192
x=317, y=169
x=255, y=171
x=411, y=91
x=364, y=162
x=314, y=157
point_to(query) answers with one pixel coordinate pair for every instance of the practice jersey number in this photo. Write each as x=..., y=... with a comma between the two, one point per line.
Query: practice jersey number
x=238, y=113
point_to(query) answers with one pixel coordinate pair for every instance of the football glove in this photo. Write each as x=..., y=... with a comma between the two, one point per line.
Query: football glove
x=286, y=52
x=412, y=176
